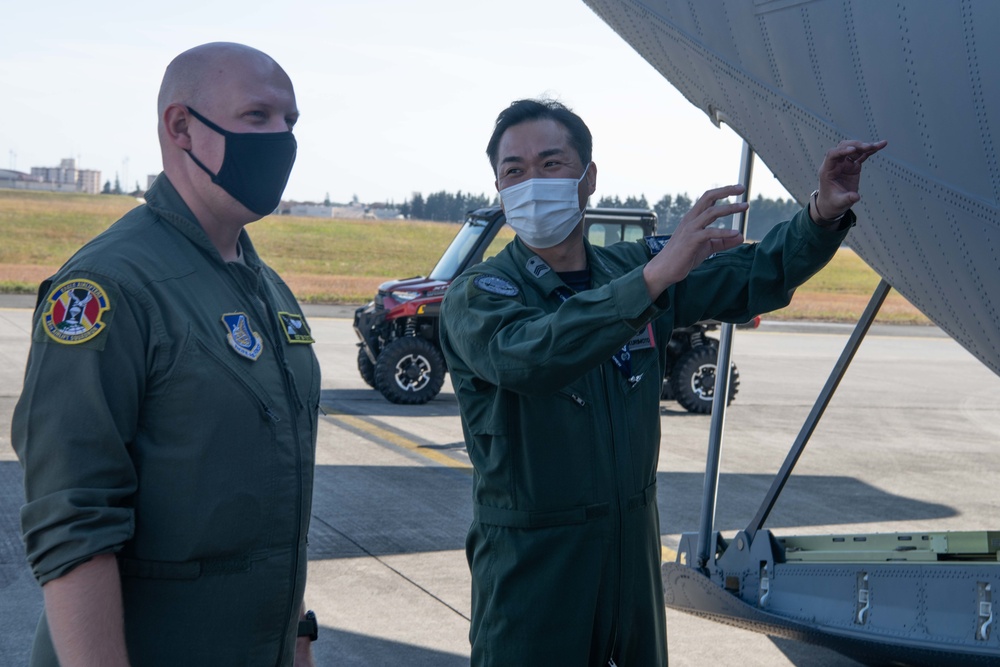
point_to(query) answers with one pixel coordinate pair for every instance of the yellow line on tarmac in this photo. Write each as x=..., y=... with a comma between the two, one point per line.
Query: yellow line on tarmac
x=395, y=439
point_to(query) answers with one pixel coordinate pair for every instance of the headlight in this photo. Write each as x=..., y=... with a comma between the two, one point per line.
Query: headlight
x=404, y=295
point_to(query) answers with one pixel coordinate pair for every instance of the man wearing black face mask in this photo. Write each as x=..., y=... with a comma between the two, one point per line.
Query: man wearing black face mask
x=167, y=426
x=556, y=350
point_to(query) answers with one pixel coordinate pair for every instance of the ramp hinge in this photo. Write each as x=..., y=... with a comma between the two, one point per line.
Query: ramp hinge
x=864, y=599
x=984, y=622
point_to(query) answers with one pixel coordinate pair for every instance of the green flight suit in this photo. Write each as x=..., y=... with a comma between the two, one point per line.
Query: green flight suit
x=169, y=416
x=564, y=548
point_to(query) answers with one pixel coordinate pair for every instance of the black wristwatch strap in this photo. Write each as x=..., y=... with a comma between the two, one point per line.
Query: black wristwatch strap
x=308, y=627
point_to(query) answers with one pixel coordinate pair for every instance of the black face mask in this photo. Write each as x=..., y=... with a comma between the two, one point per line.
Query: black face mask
x=255, y=166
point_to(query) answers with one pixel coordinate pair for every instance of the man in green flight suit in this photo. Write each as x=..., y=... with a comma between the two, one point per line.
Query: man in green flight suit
x=167, y=425
x=556, y=351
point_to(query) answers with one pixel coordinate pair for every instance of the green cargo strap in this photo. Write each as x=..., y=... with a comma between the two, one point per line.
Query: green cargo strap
x=497, y=516
x=645, y=497
x=192, y=569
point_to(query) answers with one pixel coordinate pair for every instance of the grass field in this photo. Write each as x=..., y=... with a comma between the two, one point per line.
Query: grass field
x=344, y=261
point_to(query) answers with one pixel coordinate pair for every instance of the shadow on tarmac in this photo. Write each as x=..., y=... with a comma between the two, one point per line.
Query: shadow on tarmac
x=371, y=403
x=387, y=510
x=339, y=647
x=808, y=655
x=807, y=500
x=383, y=510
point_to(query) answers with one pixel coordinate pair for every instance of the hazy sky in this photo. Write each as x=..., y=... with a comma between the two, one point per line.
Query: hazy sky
x=396, y=96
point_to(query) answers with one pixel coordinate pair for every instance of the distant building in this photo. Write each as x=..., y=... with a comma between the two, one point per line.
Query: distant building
x=19, y=180
x=354, y=211
x=64, y=178
x=310, y=210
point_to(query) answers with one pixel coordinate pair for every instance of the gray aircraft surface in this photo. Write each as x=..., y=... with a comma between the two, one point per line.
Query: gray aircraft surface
x=794, y=77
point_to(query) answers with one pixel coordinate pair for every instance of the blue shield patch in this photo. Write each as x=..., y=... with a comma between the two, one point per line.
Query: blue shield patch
x=246, y=342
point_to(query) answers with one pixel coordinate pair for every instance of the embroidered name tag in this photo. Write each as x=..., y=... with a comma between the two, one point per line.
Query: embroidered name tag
x=242, y=339
x=74, y=310
x=295, y=328
x=643, y=339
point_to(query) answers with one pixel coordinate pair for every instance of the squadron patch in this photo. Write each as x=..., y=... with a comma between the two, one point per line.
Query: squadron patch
x=295, y=328
x=246, y=342
x=74, y=310
x=496, y=285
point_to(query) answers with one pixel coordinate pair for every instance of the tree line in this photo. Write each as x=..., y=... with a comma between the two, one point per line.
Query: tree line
x=764, y=213
x=444, y=206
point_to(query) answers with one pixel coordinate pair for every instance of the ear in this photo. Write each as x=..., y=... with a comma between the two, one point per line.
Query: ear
x=175, y=121
x=591, y=179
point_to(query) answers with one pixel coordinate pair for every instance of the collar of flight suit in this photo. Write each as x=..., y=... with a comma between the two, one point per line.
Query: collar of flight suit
x=164, y=200
x=535, y=271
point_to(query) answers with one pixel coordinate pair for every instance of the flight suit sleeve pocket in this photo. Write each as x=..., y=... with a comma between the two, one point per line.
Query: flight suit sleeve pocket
x=484, y=406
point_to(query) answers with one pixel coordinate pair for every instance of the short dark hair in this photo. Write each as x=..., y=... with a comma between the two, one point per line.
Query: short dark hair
x=522, y=111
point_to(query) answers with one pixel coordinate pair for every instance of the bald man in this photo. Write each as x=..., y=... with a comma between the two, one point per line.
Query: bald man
x=167, y=426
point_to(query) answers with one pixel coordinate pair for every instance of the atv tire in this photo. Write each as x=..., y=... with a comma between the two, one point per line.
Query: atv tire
x=692, y=381
x=409, y=371
x=365, y=367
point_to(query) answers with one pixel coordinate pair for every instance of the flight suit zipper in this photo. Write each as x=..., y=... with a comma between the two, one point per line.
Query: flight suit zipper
x=295, y=403
x=616, y=611
x=262, y=309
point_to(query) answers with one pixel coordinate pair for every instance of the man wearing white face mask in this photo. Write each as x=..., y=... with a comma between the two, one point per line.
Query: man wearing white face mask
x=556, y=351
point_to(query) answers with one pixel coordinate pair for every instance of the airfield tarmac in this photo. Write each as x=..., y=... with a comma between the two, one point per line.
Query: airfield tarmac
x=909, y=443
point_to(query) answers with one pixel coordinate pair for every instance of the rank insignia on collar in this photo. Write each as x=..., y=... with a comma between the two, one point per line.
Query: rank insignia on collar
x=295, y=328
x=247, y=343
x=537, y=267
x=73, y=312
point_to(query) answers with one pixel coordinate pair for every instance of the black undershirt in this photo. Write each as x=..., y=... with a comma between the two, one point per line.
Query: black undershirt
x=578, y=281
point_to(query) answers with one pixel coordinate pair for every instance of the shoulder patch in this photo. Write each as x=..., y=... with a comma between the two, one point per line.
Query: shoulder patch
x=295, y=328
x=495, y=285
x=73, y=311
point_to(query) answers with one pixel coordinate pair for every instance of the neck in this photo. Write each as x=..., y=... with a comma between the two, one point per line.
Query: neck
x=569, y=255
x=222, y=218
x=225, y=238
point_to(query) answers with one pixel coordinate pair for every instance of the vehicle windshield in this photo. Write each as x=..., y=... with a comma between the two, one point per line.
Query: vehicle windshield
x=463, y=243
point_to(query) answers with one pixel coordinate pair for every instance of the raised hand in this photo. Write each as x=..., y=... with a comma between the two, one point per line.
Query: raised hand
x=694, y=241
x=839, y=178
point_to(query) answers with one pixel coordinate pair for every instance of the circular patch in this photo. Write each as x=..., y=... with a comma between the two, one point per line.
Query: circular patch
x=496, y=285
x=73, y=312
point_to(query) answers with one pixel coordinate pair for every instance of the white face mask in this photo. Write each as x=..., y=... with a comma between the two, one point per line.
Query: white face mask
x=543, y=211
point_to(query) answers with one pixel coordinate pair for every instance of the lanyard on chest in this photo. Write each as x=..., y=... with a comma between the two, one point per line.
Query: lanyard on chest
x=622, y=359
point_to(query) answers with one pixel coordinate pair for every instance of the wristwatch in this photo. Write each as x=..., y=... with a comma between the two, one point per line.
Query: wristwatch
x=308, y=627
